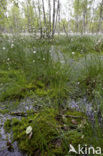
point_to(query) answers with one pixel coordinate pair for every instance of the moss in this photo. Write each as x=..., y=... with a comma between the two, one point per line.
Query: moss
x=51, y=135
x=75, y=113
x=15, y=122
x=15, y=86
x=4, y=111
x=7, y=125
x=39, y=84
x=44, y=130
x=26, y=74
x=42, y=92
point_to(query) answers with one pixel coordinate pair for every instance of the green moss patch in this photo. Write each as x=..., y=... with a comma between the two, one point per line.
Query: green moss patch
x=51, y=132
x=4, y=111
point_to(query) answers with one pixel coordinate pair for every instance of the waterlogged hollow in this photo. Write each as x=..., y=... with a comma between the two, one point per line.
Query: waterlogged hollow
x=6, y=138
x=81, y=104
x=23, y=106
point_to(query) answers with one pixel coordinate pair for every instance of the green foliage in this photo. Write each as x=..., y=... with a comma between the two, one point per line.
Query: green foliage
x=4, y=111
x=3, y=10
x=14, y=19
x=51, y=135
x=27, y=69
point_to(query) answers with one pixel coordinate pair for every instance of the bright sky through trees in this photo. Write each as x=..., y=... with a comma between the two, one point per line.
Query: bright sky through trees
x=50, y=16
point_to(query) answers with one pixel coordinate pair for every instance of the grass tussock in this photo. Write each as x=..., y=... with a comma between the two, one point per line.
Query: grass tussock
x=53, y=71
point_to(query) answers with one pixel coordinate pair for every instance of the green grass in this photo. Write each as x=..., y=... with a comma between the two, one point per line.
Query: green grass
x=73, y=71
x=25, y=62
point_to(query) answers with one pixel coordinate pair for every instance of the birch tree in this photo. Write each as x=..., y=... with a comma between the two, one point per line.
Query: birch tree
x=53, y=25
x=100, y=29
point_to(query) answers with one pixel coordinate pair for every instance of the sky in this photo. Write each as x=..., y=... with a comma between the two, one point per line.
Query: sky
x=66, y=9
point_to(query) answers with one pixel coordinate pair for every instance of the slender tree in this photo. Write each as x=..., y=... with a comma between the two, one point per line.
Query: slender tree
x=49, y=7
x=100, y=16
x=77, y=13
x=40, y=23
x=53, y=25
x=3, y=9
x=44, y=14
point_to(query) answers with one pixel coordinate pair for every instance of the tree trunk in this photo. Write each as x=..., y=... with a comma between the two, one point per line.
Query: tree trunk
x=77, y=18
x=53, y=27
x=101, y=17
x=40, y=25
x=57, y=13
x=44, y=12
x=84, y=16
x=49, y=6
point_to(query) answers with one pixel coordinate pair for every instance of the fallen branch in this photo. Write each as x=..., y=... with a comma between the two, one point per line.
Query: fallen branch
x=76, y=117
x=21, y=113
x=18, y=113
x=68, y=116
x=58, y=116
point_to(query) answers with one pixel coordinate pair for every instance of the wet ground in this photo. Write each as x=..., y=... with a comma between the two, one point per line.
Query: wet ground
x=23, y=106
x=28, y=104
x=5, y=140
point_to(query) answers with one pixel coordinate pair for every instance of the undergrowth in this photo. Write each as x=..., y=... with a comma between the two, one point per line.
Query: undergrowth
x=53, y=71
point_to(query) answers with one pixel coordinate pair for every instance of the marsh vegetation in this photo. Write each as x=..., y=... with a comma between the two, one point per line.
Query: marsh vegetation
x=51, y=77
x=55, y=86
